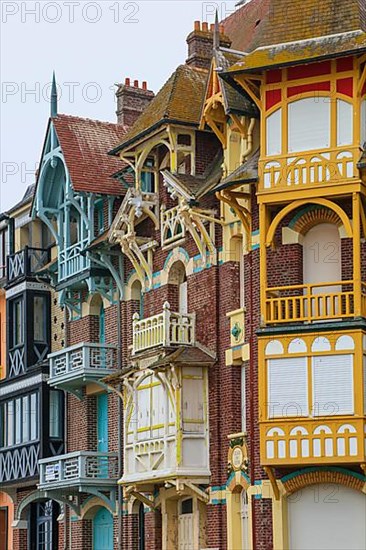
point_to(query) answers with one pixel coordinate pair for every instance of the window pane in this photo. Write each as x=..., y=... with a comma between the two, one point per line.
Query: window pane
x=3, y=425
x=39, y=309
x=33, y=416
x=55, y=414
x=274, y=133
x=344, y=123
x=18, y=421
x=308, y=124
x=18, y=322
x=26, y=419
x=10, y=421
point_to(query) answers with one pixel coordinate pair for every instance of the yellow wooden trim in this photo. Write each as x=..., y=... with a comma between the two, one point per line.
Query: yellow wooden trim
x=297, y=204
x=356, y=214
x=272, y=477
x=361, y=82
x=254, y=94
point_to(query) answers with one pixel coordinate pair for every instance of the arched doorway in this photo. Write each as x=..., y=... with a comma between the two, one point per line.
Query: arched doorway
x=179, y=288
x=103, y=530
x=327, y=517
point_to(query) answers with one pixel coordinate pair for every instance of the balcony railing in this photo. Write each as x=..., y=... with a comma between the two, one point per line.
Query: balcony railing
x=81, y=468
x=321, y=301
x=306, y=441
x=71, y=262
x=165, y=329
x=80, y=364
x=295, y=171
x=172, y=226
x=26, y=262
x=19, y=462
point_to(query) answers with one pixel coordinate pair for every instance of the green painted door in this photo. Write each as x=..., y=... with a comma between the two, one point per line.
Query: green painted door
x=103, y=530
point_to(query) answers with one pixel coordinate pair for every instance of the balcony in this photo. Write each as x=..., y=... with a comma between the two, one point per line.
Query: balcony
x=238, y=351
x=311, y=397
x=71, y=261
x=78, y=470
x=311, y=303
x=165, y=329
x=310, y=169
x=74, y=367
x=172, y=226
x=19, y=462
x=308, y=441
x=26, y=263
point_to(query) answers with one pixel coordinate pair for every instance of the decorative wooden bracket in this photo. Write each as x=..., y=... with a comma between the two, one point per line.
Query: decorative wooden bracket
x=362, y=81
x=251, y=87
x=232, y=199
x=133, y=492
x=271, y=475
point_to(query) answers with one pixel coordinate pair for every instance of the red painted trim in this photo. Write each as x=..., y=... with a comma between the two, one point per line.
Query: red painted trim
x=272, y=77
x=344, y=64
x=345, y=86
x=305, y=71
x=315, y=87
x=272, y=98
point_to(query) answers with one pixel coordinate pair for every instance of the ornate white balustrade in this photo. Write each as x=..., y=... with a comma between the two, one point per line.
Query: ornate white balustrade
x=172, y=226
x=81, y=468
x=19, y=462
x=77, y=365
x=165, y=329
x=307, y=169
x=71, y=262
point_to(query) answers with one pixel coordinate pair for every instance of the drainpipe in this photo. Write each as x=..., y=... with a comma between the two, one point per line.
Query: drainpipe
x=251, y=393
x=249, y=148
x=120, y=423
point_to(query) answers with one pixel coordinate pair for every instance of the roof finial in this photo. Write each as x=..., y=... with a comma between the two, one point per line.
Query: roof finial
x=216, y=34
x=54, y=97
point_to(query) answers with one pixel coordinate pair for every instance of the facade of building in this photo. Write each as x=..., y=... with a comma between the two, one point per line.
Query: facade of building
x=192, y=287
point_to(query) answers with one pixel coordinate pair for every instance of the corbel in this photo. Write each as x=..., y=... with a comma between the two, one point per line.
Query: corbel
x=251, y=89
x=271, y=475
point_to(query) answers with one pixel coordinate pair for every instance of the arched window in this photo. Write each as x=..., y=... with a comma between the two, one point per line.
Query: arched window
x=138, y=297
x=177, y=277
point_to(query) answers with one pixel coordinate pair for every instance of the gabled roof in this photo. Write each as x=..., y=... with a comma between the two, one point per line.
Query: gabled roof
x=85, y=144
x=234, y=101
x=303, y=30
x=245, y=173
x=27, y=198
x=178, y=101
x=196, y=187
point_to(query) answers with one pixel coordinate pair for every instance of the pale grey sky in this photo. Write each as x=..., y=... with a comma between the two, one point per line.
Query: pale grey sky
x=91, y=46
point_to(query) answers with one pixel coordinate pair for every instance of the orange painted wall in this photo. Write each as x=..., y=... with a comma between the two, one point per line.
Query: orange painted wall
x=6, y=502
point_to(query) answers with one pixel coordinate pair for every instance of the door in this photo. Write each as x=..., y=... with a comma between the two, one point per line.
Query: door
x=185, y=526
x=327, y=517
x=244, y=519
x=102, y=411
x=103, y=530
x=322, y=264
x=3, y=529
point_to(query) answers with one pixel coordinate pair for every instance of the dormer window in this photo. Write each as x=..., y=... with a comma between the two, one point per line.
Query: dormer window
x=148, y=177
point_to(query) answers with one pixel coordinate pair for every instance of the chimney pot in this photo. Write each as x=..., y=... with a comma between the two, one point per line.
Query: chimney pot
x=205, y=26
x=144, y=85
x=212, y=27
x=197, y=26
x=136, y=83
x=127, y=82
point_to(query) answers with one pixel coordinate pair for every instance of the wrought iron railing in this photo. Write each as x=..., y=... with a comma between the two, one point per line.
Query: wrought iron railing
x=165, y=329
x=26, y=262
x=82, y=360
x=79, y=468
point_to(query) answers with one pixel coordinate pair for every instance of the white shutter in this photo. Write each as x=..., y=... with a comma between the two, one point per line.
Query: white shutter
x=287, y=387
x=192, y=405
x=333, y=385
x=308, y=124
x=143, y=407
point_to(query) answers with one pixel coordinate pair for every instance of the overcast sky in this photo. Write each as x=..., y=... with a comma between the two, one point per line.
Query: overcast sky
x=91, y=46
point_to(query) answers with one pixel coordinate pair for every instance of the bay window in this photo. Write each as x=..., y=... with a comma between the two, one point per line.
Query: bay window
x=19, y=420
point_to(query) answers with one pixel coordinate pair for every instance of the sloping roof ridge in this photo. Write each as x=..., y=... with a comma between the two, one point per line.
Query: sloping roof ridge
x=230, y=50
x=87, y=119
x=311, y=39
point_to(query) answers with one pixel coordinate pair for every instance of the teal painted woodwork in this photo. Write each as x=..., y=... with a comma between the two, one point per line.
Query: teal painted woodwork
x=102, y=325
x=103, y=530
x=102, y=417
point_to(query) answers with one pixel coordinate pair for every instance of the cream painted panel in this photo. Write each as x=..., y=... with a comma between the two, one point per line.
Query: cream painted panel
x=322, y=256
x=308, y=124
x=327, y=517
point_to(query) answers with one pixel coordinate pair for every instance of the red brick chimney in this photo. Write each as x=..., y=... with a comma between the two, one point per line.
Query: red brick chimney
x=132, y=101
x=200, y=44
